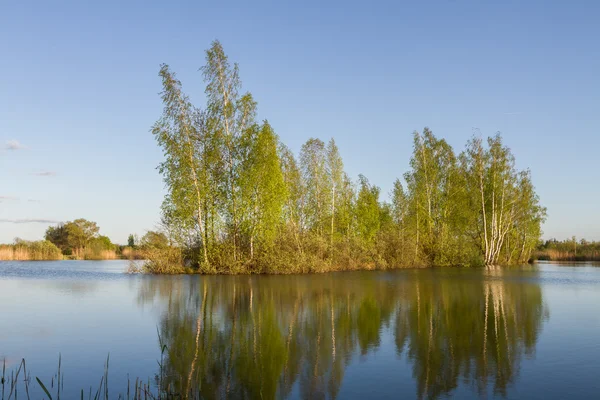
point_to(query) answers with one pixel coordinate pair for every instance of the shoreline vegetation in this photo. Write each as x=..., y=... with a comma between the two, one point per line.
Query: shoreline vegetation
x=74, y=240
x=568, y=250
x=43, y=250
x=29, y=251
x=239, y=201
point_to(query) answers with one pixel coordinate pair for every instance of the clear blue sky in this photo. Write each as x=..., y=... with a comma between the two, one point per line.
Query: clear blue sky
x=79, y=93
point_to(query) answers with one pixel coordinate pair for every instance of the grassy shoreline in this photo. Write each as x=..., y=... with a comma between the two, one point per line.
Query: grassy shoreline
x=44, y=250
x=567, y=257
x=568, y=250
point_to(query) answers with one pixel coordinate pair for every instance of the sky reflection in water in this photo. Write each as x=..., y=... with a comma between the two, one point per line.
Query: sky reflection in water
x=523, y=332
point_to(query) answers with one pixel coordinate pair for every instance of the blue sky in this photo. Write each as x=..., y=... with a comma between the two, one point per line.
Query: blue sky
x=79, y=93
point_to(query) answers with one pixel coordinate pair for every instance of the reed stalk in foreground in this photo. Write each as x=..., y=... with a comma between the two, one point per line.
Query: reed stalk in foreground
x=21, y=380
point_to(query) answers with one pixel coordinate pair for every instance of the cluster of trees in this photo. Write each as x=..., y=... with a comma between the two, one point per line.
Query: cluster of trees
x=151, y=239
x=301, y=333
x=81, y=239
x=568, y=250
x=239, y=200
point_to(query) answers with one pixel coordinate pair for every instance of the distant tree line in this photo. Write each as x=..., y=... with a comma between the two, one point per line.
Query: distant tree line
x=568, y=250
x=81, y=239
x=239, y=200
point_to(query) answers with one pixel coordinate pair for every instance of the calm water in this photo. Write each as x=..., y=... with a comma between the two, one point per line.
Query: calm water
x=531, y=332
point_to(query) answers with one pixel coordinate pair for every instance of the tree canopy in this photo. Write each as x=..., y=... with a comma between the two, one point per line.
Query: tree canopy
x=239, y=200
x=79, y=237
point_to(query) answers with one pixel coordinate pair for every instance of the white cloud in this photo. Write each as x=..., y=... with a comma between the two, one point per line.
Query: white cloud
x=14, y=145
x=45, y=173
x=28, y=221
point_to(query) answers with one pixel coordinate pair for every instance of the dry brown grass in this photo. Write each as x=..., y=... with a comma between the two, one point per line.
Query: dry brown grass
x=557, y=255
x=30, y=251
x=92, y=254
x=133, y=254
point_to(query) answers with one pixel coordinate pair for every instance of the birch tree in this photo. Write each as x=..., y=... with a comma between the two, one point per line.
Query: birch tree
x=335, y=172
x=504, y=199
x=313, y=165
x=228, y=116
x=233, y=191
x=184, y=178
x=399, y=208
x=367, y=210
x=264, y=181
x=529, y=217
x=296, y=194
x=432, y=184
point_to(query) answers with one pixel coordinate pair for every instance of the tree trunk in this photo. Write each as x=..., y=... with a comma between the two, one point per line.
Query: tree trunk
x=332, y=211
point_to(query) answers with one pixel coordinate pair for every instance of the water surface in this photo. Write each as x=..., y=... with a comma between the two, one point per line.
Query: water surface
x=527, y=332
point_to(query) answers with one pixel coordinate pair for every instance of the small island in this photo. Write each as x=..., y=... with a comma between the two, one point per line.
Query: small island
x=375, y=220
x=239, y=201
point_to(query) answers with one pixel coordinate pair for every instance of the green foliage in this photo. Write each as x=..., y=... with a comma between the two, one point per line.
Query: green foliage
x=263, y=183
x=367, y=210
x=100, y=248
x=180, y=132
x=506, y=220
x=568, y=250
x=131, y=241
x=156, y=240
x=74, y=235
x=239, y=201
x=301, y=333
x=80, y=239
x=435, y=188
x=335, y=174
x=314, y=173
x=241, y=337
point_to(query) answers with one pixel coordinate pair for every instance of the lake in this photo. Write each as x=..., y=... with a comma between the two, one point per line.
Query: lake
x=530, y=332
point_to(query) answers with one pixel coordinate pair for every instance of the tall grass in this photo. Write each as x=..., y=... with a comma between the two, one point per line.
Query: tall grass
x=557, y=255
x=131, y=253
x=14, y=382
x=568, y=250
x=29, y=251
x=91, y=253
x=44, y=250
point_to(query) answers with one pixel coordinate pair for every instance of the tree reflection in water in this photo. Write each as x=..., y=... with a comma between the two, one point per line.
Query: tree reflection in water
x=263, y=336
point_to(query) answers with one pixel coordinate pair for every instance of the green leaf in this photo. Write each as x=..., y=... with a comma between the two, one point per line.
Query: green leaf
x=43, y=388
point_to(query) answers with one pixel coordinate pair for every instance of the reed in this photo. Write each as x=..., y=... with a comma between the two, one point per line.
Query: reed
x=16, y=382
x=131, y=253
x=45, y=250
x=568, y=250
x=30, y=251
x=557, y=255
x=94, y=254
